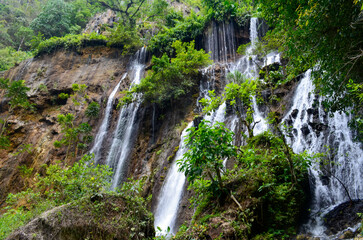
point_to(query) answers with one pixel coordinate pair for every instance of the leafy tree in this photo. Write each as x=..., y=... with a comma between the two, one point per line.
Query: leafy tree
x=54, y=20
x=208, y=148
x=129, y=9
x=238, y=94
x=9, y=57
x=93, y=110
x=325, y=35
x=185, y=30
x=126, y=38
x=59, y=18
x=171, y=78
x=16, y=93
x=78, y=136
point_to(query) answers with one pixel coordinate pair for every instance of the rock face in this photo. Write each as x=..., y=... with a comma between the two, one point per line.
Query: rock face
x=343, y=216
x=47, y=76
x=90, y=220
x=106, y=18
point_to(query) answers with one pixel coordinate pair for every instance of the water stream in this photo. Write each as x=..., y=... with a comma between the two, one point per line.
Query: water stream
x=126, y=125
x=316, y=131
x=172, y=190
x=103, y=130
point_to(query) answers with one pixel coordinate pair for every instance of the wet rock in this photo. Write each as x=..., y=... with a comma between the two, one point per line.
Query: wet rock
x=305, y=130
x=349, y=234
x=197, y=120
x=318, y=127
x=343, y=216
x=306, y=237
x=294, y=113
x=312, y=111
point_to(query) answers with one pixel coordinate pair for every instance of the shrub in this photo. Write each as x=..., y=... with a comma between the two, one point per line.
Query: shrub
x=171, y=78
x=93, y=110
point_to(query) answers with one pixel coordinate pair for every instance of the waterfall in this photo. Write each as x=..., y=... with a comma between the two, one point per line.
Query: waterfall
x=124, y=133
x=248, y=66
x=172, y=189
x=171, y=192
x=312, y=130
x=102, y=132
x=221, y=41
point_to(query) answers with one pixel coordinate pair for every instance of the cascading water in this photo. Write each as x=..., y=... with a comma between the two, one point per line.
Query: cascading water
x=312, y=130
x=221, y=41
x=122, y=140
x=248, y=66
x=102, y=132
x=172, y=190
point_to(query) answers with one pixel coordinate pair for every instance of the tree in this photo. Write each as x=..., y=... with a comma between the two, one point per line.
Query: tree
x=208, y=147
x=54, y=20
x=93, y=110
x=238, y=93
x=16, y=93
x=128, y=9
x=171, y=78
x=326, y=36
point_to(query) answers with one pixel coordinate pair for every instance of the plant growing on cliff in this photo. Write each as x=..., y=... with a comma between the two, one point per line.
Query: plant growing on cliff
x=60, y=185
x=208, y=147
x=261, y=192
x=238, y=94
x=326, y=37
x=78, y=136
x=171, y=78
x=16, y=94
x=93, y=110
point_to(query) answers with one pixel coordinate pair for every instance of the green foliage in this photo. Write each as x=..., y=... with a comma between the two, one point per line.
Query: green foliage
x=68, y=42
x=59, y=185
x=4, y=142
x=222, y=10
x=208, y=148
x=79, y=94
x=126, y=38
x=128, y=10
x=63, y=96
x=93, y=110
x=59, y=18
x=16, y=92
x=185, y=30
x=78, y=136
x=261, y=182
x=238, y=93
x=9, y=57
x=326, y=34
x=171, y=78
x=264, y=160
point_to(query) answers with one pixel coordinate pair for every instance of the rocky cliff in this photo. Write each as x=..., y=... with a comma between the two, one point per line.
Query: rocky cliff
x=33, y=133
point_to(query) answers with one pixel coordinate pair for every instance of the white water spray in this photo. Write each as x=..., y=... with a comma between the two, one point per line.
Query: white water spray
x=312, y=130
x=123, y=136
x=103, y=130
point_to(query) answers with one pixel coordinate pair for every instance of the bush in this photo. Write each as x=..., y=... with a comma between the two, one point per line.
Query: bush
x=9, y=57
x=93, y=110
x=171, y=78
x=126, y=38
x=59, y=186
x=69, y=42
x=187, y=30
